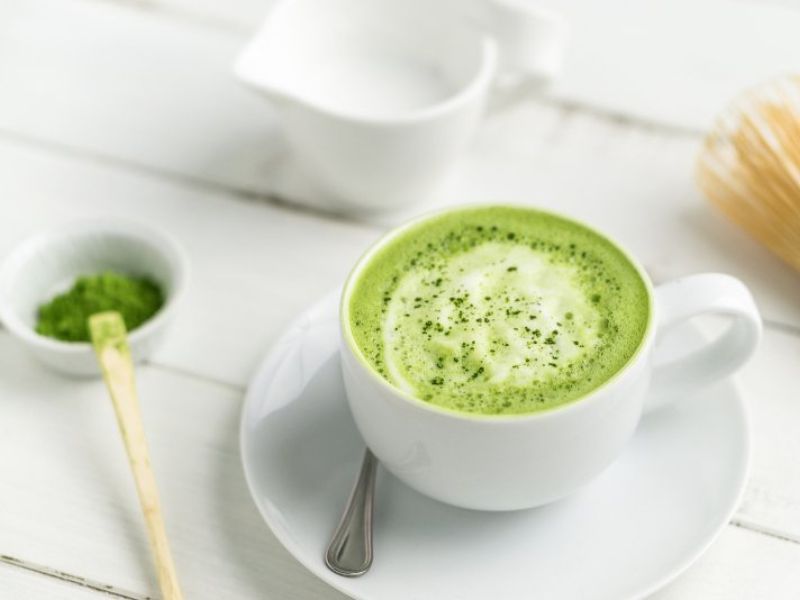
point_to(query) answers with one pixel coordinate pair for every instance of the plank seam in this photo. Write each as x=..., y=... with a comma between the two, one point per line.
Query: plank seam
x=781, y=327
x=183, y=16
x=83, y=582
x=743, y=523
x=199, y=377
x=630, y=121
x=176, y=178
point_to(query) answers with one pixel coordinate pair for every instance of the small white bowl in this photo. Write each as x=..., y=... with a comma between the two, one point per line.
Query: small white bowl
x=49, y=263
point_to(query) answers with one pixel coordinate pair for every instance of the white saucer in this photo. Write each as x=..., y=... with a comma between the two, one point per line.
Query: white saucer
x=628, y=533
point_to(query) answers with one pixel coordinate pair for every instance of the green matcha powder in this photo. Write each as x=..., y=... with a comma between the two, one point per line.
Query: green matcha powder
x=65, y=316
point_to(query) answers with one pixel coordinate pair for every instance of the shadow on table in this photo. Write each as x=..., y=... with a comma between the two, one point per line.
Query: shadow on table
x=259, y=564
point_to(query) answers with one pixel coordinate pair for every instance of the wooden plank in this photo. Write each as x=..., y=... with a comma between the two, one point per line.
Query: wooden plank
x=200, y=127
x=90, y=527
x=233, y=291
x=168, y=101
x=134, y=85
x=68, y=500
x=772, y=500
x=740, y=565
x=71, y=504
x=255, y=265
x=672, y=62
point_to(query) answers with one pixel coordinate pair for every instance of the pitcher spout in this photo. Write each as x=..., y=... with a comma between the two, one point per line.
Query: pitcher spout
x=252, y=69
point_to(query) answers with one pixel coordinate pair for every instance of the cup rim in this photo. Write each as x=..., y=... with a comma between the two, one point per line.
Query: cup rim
x=487, y=67
x=164, y=244
x=551, y=412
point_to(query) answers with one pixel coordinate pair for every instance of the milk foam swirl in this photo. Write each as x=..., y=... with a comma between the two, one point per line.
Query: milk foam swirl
x=503, y=314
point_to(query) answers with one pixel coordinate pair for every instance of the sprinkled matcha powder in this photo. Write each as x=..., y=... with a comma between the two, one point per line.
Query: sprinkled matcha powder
x=65, y=316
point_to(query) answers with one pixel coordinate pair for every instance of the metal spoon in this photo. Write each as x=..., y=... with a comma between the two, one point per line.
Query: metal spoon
x=350, y=550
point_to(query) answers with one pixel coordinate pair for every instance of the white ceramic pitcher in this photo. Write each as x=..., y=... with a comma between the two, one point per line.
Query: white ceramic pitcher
x=378, y=97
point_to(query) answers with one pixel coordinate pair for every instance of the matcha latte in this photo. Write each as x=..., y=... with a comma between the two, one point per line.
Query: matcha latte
x=497, y=310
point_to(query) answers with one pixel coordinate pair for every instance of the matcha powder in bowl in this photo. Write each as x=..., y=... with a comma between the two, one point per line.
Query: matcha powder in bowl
x=65, y=317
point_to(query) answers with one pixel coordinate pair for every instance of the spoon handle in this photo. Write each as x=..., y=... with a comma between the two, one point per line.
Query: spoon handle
x=350, y=550
x=110, y=343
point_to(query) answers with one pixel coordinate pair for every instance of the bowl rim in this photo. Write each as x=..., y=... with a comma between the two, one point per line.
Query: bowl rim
x=163, y=243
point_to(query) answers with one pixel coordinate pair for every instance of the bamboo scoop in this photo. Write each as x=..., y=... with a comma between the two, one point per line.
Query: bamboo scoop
x=111, y=346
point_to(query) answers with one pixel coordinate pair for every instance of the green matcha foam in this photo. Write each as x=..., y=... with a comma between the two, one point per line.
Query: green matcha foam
x=498, y=310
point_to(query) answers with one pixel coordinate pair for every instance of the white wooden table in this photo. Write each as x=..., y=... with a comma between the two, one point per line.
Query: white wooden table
x=128, y=108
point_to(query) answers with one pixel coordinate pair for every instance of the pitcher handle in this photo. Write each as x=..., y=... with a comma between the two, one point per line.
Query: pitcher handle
x=531, y=40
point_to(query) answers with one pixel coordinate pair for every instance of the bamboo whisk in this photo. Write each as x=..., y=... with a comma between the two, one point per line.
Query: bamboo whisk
x=750, y=166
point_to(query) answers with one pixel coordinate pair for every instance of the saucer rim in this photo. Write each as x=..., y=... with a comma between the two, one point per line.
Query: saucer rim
x=318, y=569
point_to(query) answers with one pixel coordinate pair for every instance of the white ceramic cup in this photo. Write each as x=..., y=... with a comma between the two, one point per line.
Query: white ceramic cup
x=522, y=461
x=378, y=97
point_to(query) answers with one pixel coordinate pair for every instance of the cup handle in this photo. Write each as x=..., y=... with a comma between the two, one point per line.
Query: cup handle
x=706, y=294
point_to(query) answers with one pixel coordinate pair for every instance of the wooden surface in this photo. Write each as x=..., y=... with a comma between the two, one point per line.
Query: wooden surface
x=128, y=108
